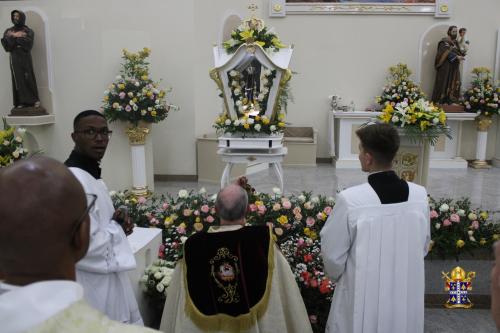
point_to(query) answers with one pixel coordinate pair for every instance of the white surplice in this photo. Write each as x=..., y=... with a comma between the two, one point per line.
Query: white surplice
x=103, y=270
x=286, y=312
x=54, y=306
x=376, y=253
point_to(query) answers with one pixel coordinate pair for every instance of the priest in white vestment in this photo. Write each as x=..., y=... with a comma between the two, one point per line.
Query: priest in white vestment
x=374, y=244
x=233, y=279
x=103, y=271
x=40, y=242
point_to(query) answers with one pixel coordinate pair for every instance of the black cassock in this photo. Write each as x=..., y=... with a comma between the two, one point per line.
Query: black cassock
x=24, y=87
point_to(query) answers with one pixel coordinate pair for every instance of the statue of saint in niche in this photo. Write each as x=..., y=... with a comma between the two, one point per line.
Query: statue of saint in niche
x=447, y=63
x=18, y=41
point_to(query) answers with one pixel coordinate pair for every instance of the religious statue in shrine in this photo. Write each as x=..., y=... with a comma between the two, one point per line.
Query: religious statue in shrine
x=18, y=41
x=447, y=64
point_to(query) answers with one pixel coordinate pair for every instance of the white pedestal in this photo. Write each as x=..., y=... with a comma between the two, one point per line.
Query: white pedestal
x=344, y=142
x=139, y=173
x=233, y=156
x=482, y=140
x=145, y=243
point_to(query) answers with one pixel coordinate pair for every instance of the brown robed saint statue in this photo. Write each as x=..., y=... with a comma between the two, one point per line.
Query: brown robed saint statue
x=447, y=64
x=18, y=41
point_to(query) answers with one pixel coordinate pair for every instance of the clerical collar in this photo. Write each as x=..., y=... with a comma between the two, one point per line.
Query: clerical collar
x=78, y=160
x=382, y=171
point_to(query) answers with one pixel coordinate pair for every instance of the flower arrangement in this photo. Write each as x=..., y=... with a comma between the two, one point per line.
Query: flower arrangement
x=399, y=88
x=248, y=124
x=457, y=228
x=11, y=144
x=482, y=97
x=134, y=96
x=420, y=119
x=155, y=281
x=253, y=31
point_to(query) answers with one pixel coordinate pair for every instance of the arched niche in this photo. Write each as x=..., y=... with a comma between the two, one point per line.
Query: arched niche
x=231, y=21
x=426, y=73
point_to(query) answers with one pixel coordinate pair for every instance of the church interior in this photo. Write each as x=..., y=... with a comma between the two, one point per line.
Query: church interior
x=326, y=69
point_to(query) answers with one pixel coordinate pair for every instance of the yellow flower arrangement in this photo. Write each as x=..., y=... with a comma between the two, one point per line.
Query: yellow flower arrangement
x=11, y=145
x=418, y=120
x=134, y=97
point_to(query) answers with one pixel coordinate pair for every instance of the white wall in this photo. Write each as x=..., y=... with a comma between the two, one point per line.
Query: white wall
x=343, y=54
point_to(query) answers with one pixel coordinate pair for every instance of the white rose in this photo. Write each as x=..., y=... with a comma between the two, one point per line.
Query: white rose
x=143, y=112
x=118, y=77
x=395, y=119
x=472, y=216
x=444, y=208
x=243, y=121
x=183, y=239
x=250, y=121
x=130, y=94
x=472, y=239
x=19, y=139
x=158, y=276
x=264, y=82
x=301, y=198
x=267, y=72
x=265, y=90
x=435, y=120
x=315, y=199
x=135, y=107
x=330, y=200
x=238, y=103
x=137, y=83
x=150, y=109
x=202, y=190
x=165, y=281
x=16, y=154
x=6, y=143
x=236, y=122
x=21, y=130
x=157, y=101
x=461, y=212
x=112, y=193
x=470, y=232
x=131, y=102
x=276, y=190
x=260, y=98
x=272, y=128
x=257, y=127
x=237, y=91
x=437, y=226
x=183, y=194
x=233, y=73
x=227, y=122
x=160, y=287
x=144, y=278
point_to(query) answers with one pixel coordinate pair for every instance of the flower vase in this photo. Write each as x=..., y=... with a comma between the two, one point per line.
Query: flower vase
x=483, y=123
x=137, y=139
x=412, y=160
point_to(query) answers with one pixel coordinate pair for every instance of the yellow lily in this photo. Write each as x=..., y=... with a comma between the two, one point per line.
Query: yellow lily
x=246, y=34
x=276, y=42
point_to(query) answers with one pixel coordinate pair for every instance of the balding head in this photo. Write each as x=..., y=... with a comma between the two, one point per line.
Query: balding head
x=40, y=206
x=231, y=204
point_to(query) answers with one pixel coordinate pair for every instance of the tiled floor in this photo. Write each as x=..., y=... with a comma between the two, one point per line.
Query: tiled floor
x=481, y=186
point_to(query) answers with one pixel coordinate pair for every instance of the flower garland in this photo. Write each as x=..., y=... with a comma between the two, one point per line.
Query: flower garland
x=134, y=97
x=418, y=120
x=11, y=144
x=482, y=97
x=400, y=88
x=253, y=31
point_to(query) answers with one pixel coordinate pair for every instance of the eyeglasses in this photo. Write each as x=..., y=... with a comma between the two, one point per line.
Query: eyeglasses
x=91, y=199
x=92, y=133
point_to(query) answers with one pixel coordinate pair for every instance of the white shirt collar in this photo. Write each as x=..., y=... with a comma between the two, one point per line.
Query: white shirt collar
x=24, y=307
x=222, y=228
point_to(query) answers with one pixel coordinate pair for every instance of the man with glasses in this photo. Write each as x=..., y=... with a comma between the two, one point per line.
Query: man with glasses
x=103, y=271
x=40, y=242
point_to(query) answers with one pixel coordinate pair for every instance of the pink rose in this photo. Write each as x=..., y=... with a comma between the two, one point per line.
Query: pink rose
x=187, y=212
x=300, y=242
x=128, y=108
x=310, y=221
x=209, y=219
x=475, y=225
x=196, y=213
x=455, y=218
x=287, y=204
x=122, y=95
x=164, y=206
x=181, y=230
x=446, y=223
x=205, y=209
x=298, y=217
x=296, y=210
x=276, y=207
x=313, y=319
x=434, y=214
x=141, y=200
x=319, y=216
x=252, y=207
x=287, y=226
x=261, y=209
x=327, y=210
x=212, y=211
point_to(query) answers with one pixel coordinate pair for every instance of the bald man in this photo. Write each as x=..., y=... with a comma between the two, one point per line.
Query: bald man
x=40, y=242
x=234, y=276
